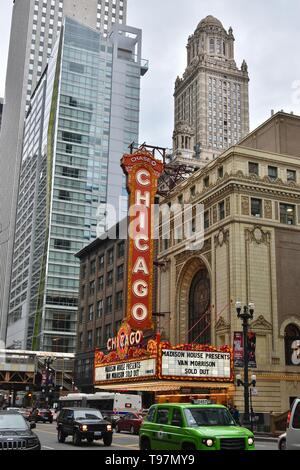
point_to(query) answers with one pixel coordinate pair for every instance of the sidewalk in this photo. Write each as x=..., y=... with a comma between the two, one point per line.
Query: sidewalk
x=261, y=437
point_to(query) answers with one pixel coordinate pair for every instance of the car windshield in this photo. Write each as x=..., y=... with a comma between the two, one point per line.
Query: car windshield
x=209, y=417
x=13, y=421
x=88, y=414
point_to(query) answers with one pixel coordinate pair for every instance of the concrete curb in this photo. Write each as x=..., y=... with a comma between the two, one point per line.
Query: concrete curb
x=265, y=439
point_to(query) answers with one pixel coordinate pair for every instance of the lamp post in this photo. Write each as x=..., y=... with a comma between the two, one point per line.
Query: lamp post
x=245, y=314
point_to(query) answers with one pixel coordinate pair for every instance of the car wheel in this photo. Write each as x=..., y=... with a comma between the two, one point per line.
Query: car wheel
x=76, y=439
x=107, y=440
x=132, y=430
x=282, y=445
x=145, y=444
x=90, y=440
x=61, y=437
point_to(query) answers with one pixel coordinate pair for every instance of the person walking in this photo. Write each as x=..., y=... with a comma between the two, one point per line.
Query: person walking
x=236, y=415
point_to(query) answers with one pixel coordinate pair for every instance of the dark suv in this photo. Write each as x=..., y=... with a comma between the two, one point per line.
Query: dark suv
x=83, y=424
x=16, y=433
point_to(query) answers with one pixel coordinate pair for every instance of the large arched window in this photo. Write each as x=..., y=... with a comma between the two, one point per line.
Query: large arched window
x=199, y=309
x=292, y=345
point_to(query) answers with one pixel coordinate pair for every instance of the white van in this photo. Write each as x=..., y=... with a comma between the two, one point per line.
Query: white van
x=293, y=430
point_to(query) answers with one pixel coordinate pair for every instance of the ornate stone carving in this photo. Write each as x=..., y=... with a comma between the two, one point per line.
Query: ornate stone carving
x=222, y=326
x=222, y=237
x=245, y=205
x=258, y=236
x=261, y=324
x=185, y=255
x=268, y=212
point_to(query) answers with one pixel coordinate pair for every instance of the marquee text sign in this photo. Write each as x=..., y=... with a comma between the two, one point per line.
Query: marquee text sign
x=210, y=365
x=142, y=171
x=127, y=370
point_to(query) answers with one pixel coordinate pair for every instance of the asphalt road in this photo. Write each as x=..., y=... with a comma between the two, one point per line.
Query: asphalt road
x=48, y=437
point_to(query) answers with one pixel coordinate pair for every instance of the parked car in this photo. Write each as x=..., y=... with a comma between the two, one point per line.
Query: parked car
x=293, y=427
x=16, y=433
x=193, y=427
x=83, y=424
x=130, y=422
x=41, y=415
x=282, y=442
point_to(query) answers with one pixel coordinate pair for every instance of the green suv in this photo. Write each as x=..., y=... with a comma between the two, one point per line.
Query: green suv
x=193, y=427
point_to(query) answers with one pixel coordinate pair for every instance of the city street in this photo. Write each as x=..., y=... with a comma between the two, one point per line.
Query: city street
x=48, y=437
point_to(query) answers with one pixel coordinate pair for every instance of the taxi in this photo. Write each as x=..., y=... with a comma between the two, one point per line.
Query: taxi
x=180, y=426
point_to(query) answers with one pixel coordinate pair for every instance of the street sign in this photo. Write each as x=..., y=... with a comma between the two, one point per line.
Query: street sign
x=254, y=392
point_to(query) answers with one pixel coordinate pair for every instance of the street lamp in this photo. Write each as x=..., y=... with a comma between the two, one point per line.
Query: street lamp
x=246, y=313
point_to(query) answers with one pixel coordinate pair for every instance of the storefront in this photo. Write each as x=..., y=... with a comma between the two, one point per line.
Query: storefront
x=170, y=374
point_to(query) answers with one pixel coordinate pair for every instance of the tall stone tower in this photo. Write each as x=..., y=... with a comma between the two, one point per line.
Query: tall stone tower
x=211, y=99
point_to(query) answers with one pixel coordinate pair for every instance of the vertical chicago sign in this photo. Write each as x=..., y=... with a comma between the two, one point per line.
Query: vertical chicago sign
x=142, y=171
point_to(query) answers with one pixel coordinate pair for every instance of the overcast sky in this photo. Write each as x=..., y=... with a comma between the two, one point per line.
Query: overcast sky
x=267, y=36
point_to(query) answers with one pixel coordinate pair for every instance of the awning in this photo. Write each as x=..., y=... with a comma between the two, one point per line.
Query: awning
x=165, y=386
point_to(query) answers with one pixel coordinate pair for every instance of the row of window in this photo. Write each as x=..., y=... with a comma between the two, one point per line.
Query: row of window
x=92, y=287
x=103, y=307
x=101, y=260
x=96, y=338
x=291, y=175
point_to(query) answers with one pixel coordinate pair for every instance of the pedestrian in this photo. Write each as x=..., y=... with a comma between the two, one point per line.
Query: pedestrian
x=236, y=415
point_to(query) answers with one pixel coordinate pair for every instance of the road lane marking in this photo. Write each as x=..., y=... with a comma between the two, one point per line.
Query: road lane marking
x=48, y=448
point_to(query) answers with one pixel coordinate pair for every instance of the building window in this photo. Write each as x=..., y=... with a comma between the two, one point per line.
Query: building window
x=99, y=308
x=93, y=266
x=221, y=210
x=108, y=332
x=220, y=172
x=98, y=337
x=121, y=249
x=64, y=245
x=193, y=191
x=119, y=300
x=120, y=272
x=91, y=313
x=108, y=307
x=253, y=168
x=273, y=172
x=110, y=256
x=81, y=313
x=90, y=340
x=82, y=292
x=100, y=283
x=206, y=219
x=101, y=262
x=81, y=341
x=109, y=279
x=92, y=288
x=206, y=182
x=287, y=214
x=256, y=207
x=291, y=175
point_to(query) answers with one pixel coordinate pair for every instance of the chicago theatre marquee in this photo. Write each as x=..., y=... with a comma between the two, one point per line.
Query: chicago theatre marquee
x=133, y=363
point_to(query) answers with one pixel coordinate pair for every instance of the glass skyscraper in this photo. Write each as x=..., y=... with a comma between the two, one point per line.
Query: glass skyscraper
x=82, y=116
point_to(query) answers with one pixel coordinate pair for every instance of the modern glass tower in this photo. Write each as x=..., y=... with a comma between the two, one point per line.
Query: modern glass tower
x=82, y=116
x=34, y=29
